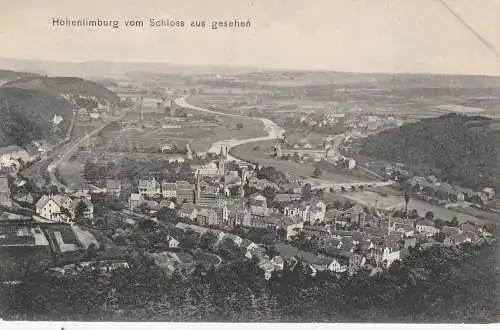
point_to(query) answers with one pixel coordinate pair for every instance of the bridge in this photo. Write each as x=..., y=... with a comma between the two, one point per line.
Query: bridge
x=317, y=184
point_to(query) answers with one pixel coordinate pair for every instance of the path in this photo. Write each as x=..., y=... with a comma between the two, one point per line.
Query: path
x=62, y=155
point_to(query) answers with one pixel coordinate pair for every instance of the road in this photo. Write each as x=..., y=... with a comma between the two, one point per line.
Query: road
x=62, y=154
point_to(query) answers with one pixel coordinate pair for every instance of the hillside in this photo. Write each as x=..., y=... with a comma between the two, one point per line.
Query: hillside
x=466, y=150
x=8, y=75
x=25, y=115
x=79, y=92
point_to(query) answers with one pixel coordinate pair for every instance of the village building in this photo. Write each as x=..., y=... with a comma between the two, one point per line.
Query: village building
x=10, y=156
x=168, y=189
x=113, y=187
x=134, y=201
x=188, y=211
x=149, y=188
x=426, y=227
x=185, y=192
x=258, y=205
x=54, y=207
x=5, y=199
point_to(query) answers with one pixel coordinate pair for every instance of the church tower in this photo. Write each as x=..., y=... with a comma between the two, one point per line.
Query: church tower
x=278, y=148
x=222, y=160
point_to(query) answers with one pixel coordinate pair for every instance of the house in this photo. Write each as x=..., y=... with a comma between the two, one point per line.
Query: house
x=260, y=184
x=10, y=156
x=297, y=210
x=5, y=192
x=355, y=214
x=172, y=242
x=388, y=252
x=316, y=231
x=185, y=192
x=54, y=207
x=188, y=211
x=406, y=229
x=209, y=217
x=317, y=211
x=258, y=205
x=168, y=189
x=207, y=170
x=149, y=188
x=167, y=147
x=451, y=231
x=286, y=198
x=490, y=193
x=292, y=188
x=337, y=267
x=426, y=227
x=113, y=187
x=88, y=209
x=134, y=201
x=465, y=237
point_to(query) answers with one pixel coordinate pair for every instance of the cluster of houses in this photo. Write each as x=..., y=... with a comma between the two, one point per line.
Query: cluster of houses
x=13, y=156
x=63, y=208
x=431, y=188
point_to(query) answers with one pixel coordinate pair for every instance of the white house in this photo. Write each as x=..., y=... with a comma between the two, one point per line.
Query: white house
x=337, y=267
x=351, y=163
x=10, y=155
x=53, y=207
x=168, y=189
x=172, y=242
x=426, y=227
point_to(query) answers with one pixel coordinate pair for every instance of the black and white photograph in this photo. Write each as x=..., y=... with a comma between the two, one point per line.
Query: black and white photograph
x=265, y=161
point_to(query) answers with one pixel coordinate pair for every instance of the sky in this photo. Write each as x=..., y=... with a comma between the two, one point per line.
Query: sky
x=344, y=35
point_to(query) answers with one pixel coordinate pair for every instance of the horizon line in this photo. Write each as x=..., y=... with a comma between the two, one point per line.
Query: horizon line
x=248, y=66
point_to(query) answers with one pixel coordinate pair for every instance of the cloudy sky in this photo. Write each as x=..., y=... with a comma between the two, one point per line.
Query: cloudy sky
x=344, y=35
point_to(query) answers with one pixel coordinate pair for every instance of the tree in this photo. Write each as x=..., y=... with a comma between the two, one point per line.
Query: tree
x=440, y=237
x=413, y=214
x=189, y=239
x=307, y=191
x=269, y=193
x=316, y=172
x=454, y=222
x=166, y=214
x=281, y=233
x=239, y=126
x=439, y=224
x=208, y=240
x=80, y=210
x=429, y=215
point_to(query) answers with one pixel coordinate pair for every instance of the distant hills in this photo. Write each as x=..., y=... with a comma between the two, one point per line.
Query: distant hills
x=466, y=150
x=115, y=69
x=28, y=105
x=75, y=90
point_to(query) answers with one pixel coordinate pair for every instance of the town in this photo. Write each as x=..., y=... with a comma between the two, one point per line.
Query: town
x=208, y=208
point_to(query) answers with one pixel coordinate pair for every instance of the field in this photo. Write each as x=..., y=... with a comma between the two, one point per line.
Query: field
x=247, y=153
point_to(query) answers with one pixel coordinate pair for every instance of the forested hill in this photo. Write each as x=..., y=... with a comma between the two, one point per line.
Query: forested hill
x=25, y=115
x=81, y=93
x=29, y=104
x=465, y=149
x=8, y=75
